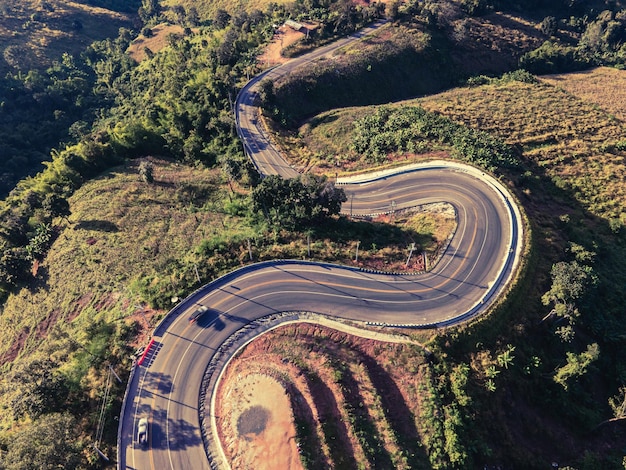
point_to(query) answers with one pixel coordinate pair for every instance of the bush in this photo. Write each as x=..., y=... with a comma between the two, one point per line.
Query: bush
x=146, y=171
x=549, y=26
x=551, y=57
x=405, y=129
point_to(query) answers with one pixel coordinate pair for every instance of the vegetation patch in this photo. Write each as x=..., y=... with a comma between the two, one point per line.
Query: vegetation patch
x=539, y=380
x=176, y=232
x=564, y=136
x=207, y=9
x=152, y=40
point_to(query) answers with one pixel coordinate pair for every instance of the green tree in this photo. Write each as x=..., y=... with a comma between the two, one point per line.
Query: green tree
x=36, y=388
x=221, y=19
x=327, y=198
x=569, y=283
x=506, y=357
x=14, y=267
x=39, y=243
x=618, y=407
x=577, y=365
x=549, y=26
x=392, y=10
x=56, y=206
x=150, y=9
x=296, y=202
x=193, y=18
x=49, y=443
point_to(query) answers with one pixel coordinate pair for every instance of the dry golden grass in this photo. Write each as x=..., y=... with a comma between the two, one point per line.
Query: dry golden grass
x=603, y=86
x=571, y=134
x=120, y=228
x=207, y=8
x=155, y=43
x=37, y=41
x=565, y=135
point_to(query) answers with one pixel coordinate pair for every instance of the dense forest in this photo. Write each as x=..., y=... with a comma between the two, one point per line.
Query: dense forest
x=65, y=122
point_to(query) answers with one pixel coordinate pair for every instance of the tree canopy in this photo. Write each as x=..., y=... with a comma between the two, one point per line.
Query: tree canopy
x=297, y=202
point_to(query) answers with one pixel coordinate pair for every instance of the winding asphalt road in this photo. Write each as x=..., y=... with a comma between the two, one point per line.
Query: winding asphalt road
x=480, y=260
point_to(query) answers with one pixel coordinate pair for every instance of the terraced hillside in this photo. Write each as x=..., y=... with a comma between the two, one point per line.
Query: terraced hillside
x=355, y=402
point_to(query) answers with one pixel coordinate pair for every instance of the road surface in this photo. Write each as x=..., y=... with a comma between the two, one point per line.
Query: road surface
x=479, y=262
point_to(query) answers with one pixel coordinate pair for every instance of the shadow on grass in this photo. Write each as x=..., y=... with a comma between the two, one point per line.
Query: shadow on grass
x=557, y=219
x=363, y=422
x=334, y=429
x=397, y=413
x=374, y=236
x=97, y=225
x=310, y=444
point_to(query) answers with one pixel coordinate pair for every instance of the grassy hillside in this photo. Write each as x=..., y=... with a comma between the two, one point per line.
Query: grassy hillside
x=207, y=8
x=574, y=136
x=573, y=140
x=404, y=59
x=128, y=242
x=34, y=33
x=571, y=183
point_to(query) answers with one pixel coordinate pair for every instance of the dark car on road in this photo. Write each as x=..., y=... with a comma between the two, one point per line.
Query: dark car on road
x=198, y=313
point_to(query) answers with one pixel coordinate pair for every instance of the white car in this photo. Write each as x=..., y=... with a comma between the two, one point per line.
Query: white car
x=142, y=431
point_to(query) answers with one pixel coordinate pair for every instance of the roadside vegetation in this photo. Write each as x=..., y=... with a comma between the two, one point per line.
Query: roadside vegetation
x=567, y=176
x=135, y=239
x=143, y=165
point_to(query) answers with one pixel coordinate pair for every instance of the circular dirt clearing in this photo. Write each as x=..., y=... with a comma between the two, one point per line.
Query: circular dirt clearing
x=253, y=421
x=256, y=423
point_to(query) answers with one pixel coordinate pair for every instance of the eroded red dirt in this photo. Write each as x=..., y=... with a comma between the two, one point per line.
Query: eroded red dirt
x=326, y=381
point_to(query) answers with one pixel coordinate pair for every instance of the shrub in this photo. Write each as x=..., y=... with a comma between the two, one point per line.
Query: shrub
x=146, y=171
x=551, y=57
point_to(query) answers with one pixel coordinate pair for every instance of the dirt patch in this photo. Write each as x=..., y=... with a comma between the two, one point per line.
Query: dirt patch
x=154, y=43
x=42, y=329
x=256, y=423
x=284, y=37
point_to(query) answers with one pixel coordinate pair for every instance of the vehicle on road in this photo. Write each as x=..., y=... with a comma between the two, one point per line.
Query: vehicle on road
x=142, y=431
x=198, y=313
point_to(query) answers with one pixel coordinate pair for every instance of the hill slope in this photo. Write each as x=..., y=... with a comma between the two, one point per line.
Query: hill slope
x=35, y=33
